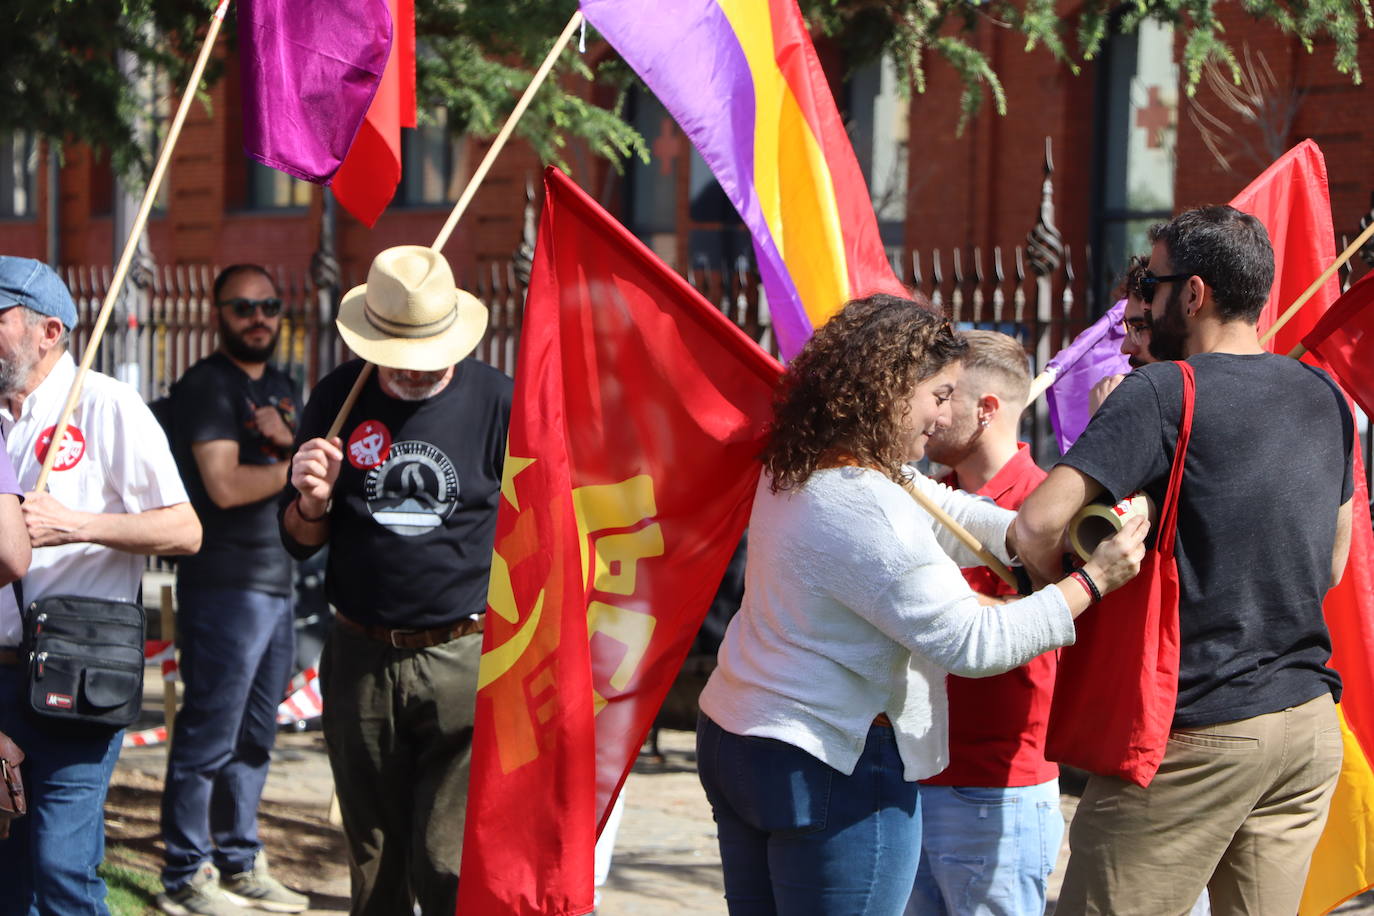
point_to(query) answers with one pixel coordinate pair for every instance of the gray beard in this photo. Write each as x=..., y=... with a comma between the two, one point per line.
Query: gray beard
x=405, y=392
x=14, y=373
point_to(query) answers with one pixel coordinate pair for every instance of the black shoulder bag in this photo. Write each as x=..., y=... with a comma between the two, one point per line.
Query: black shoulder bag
x=85, y=659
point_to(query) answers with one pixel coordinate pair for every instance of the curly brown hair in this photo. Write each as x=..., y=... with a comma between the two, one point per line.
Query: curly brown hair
x=847, y=392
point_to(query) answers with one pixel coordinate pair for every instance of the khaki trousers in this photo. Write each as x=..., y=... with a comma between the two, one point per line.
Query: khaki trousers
x=1236, y=808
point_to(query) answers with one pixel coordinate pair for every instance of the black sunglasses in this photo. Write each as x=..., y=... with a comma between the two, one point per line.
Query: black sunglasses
x=1147, y=284
x=244, y=308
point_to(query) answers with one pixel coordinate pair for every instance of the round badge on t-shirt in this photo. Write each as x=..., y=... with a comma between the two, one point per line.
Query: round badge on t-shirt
x=68, y=453
x=369, y=445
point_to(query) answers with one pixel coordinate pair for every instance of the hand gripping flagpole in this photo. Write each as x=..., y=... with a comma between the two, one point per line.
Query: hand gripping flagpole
x=1317, y=284
x=471, y=189
x=131, y=244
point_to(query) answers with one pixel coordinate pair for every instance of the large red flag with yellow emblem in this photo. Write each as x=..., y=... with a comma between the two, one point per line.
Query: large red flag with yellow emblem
x=630, y=472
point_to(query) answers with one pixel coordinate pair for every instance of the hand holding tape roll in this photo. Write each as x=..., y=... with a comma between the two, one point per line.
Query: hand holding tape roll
x=1096, y=522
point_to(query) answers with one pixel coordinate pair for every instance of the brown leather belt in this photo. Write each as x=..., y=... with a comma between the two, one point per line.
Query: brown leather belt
x=881, y=719
x=412, y=639
x=9, y=658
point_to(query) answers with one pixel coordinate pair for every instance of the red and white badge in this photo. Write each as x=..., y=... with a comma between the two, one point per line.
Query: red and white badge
x=369, y=445
x=68, y=453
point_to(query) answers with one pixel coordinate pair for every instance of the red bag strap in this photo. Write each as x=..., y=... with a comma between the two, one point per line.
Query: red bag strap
x=1168, y=515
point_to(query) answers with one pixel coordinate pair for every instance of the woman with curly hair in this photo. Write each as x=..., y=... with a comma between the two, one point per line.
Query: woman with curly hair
x=828, y=702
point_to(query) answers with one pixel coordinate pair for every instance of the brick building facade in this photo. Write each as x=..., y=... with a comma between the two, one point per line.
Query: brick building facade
x=1128, y=148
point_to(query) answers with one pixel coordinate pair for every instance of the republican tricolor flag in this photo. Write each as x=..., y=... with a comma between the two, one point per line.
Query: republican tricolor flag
x=327, y=87
x=744, y=83
x=630, y=470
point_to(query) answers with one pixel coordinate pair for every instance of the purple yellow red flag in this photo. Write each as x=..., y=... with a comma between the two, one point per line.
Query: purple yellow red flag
x=310, y=72
x=1291, y=199
x=743, y=81
x=629, y=476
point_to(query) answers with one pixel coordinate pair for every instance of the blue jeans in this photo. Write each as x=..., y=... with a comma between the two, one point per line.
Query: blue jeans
x=48, y=863
x=237, y=650
x=986, y=852
x=800, y=837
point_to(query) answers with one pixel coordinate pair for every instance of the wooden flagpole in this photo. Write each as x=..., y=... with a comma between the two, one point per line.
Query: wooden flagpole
x=968, y=540
x=1316, y=285
x=131, y=244
x=470, y=190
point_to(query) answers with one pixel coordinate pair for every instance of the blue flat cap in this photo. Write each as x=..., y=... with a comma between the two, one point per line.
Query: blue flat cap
x=30, y=283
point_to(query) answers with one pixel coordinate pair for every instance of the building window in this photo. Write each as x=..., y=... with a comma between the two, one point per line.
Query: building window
x=429, y=154
x=651, y=189
x=268, y=189
x=1138, y=104
x=879, y=125
x=18, y=174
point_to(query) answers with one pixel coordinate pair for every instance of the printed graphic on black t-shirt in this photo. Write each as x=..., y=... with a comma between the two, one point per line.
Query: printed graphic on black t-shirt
x=215, y=400
x=414, y=490
x=1268, y=466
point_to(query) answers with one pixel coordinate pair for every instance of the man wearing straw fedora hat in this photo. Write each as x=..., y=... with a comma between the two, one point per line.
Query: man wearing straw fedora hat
x=405, y=496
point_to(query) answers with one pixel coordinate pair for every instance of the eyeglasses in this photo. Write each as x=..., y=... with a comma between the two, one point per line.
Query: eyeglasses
x=1134, y=327
x=244, y=308
x=1147, y=284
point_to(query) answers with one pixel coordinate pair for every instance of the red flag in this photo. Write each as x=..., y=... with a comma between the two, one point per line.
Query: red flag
x=630, y=472
x=1290, y=198
x=367, y=179
x=1338, y=336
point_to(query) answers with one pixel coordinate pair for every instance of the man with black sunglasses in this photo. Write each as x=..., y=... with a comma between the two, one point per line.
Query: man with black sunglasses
x=233, y=424
x=1264, y=517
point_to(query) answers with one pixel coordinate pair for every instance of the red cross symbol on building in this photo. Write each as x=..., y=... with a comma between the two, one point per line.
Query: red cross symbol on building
x=667, y=146
x=1156, y=117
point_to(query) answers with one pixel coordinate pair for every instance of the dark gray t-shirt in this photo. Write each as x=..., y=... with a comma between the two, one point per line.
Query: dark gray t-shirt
x=1268, y=466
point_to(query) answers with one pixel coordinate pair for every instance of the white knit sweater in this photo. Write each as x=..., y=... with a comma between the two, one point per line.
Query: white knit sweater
x=852, y=607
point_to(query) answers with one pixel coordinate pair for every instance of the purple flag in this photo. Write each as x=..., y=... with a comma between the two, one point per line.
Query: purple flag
x=310, y=70
x=1093, y=355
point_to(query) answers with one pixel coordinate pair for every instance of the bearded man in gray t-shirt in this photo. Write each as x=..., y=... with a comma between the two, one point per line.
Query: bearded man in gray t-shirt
x=1243, y=791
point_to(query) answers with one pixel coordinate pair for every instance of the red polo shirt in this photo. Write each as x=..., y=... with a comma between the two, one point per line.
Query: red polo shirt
x=997, y=724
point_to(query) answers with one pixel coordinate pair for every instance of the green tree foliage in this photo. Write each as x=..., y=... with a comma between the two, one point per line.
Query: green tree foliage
x=914, y=30
x=60, y=77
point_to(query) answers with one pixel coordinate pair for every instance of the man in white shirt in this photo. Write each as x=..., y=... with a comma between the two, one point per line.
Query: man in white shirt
x=113, y=495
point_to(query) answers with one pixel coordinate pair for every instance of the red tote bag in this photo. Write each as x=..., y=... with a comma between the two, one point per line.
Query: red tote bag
x=1117, y=685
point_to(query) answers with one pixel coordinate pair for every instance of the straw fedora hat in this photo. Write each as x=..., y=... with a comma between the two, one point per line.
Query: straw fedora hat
x=409, y=314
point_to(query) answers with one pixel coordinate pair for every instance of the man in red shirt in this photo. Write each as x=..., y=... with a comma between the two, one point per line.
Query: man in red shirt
x=990, y=821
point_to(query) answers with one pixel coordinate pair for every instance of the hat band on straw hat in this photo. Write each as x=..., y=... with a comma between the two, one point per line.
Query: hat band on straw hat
x=393, y=329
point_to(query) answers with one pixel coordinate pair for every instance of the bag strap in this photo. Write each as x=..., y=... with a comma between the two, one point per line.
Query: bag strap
x=1168, y=515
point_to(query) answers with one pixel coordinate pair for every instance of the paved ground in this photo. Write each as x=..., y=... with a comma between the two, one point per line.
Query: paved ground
x=666, y=859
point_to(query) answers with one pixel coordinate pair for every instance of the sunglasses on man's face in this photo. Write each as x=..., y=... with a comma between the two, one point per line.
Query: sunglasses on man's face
x=1148, y=283
x=244, y=308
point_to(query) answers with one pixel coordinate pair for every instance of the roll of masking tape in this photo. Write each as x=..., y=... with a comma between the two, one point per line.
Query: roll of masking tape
x=1096, y=522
